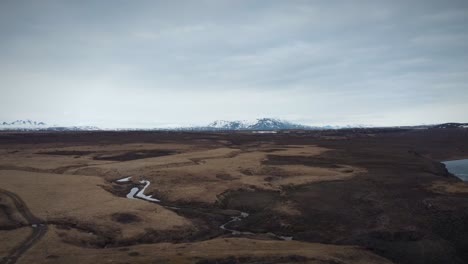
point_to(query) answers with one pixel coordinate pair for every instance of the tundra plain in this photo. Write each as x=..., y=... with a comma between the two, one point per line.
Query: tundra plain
x=347, y=196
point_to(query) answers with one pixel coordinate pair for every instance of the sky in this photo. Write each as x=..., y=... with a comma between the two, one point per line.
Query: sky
x=116, y=63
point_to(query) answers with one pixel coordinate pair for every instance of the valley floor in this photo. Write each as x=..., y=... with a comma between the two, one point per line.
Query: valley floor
x=348, y=196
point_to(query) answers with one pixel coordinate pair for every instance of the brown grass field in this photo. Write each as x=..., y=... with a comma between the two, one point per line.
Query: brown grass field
x=348, y=196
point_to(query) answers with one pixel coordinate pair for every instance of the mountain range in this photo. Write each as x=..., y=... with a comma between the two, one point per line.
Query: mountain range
x=30, y=125
x=261, y=124
x=23, y=123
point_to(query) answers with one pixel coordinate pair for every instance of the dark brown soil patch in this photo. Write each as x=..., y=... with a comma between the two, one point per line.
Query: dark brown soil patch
x=89, y=236
x=118, y=189
x=273, y=150
x=67, y=152
x=247, y=172
x=134, y=155
x=125, y=218
x=248, y=200
x=256, y=260
x=7, y=221
x=225, y=176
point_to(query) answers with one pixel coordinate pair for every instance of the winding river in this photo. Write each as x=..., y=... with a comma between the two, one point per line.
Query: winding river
x=137, y=193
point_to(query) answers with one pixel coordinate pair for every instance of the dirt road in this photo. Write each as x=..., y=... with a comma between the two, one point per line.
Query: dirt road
x=39, y=229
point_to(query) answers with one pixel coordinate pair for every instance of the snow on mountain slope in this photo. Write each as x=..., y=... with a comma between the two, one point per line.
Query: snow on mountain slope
x=23, y=124
x=30, y=125
x=259, y=124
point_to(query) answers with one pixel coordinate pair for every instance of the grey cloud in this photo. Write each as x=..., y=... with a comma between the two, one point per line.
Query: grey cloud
x=290, y=59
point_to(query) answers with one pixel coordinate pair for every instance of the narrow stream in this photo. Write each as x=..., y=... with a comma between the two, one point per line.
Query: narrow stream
x=141, y=194
x=236, y=219
x=137, y=193
x=131, y=194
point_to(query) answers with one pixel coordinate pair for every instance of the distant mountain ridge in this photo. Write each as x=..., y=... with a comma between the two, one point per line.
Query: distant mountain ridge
x=452, y=125
x=271, y=124
x=23, y=123
x=30, y=125
x=261, y=124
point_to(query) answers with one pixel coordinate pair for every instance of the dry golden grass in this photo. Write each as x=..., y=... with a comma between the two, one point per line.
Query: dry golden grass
x=197, y=175
x=30, y=158
x=115, y=170
x=69, y=188
x=51, y=250
x=9, y=239
x=256, y=174
x=80, y=199
x=446, y=187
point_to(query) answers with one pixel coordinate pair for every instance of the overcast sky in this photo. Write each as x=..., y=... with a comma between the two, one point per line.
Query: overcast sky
x=130, y=63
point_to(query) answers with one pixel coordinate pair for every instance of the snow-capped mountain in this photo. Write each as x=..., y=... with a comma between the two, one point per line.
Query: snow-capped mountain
x=452, y=125
x=229, y=125
x=259, y=124
x=30, y=125
x=23, y=124
x=273, y=124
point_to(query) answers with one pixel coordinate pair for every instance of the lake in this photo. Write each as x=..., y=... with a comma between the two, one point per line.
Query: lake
x=458, y=167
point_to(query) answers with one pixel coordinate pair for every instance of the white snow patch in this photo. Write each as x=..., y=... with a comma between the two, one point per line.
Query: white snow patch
x=264, y=132
x=124, y=179
x=141, y=194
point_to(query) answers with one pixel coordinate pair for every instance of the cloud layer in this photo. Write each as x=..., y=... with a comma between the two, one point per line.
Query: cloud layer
x=152, y=63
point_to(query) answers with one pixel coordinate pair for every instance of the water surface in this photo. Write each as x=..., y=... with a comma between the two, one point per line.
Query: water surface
x=458, y=168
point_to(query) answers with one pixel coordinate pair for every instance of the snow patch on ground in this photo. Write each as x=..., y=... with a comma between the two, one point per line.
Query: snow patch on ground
x=264, y=132
x=124, y=179
x=141, y=194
